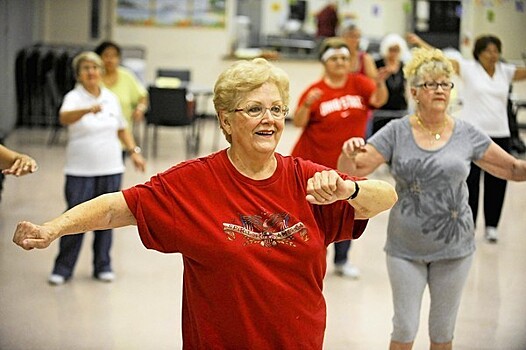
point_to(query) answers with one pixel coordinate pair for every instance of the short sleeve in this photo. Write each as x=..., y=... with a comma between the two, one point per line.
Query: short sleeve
x=152, y=200
x=509, y=71
x=480, y=141
x=70, y=102
x=382, y=140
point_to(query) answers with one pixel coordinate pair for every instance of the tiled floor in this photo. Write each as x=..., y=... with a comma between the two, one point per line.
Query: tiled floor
x=141, y=309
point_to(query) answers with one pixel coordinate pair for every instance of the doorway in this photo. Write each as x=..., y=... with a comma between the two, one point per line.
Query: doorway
x=437, y=22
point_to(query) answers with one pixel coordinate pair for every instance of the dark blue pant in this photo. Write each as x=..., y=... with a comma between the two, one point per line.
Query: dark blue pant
x=80, y=189
x=340, y=252
x=494, y=190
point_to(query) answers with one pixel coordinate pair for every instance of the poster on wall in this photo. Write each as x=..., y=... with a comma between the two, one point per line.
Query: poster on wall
x=173, y=13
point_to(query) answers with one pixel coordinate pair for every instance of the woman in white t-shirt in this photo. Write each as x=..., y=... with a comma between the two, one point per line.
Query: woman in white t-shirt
x=94, y=164
x=486, y=84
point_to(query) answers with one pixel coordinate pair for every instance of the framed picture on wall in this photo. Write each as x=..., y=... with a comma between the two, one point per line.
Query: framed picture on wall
x=173, y=13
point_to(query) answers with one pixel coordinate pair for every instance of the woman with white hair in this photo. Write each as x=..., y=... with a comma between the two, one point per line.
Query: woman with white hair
x=393, y=50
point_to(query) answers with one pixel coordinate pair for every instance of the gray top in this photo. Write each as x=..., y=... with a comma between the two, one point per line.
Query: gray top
x=432, y=219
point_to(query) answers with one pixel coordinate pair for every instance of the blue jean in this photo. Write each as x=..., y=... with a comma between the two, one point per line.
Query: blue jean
x=340, y=252
x=80, y=189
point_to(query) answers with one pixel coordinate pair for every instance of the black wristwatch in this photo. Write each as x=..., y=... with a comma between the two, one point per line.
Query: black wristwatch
x=356, y=191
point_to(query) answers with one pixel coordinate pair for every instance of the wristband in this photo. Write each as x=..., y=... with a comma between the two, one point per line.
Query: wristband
x=356, y=191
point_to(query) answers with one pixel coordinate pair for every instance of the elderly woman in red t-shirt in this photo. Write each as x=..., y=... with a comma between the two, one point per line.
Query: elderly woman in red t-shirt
x=252, y=225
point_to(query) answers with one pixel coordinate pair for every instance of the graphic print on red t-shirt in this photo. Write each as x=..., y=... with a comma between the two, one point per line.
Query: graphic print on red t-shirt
x=341, y=104
x=341, y=113
x=267, y=230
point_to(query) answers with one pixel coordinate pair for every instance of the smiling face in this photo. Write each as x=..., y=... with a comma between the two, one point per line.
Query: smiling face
x=252, y=136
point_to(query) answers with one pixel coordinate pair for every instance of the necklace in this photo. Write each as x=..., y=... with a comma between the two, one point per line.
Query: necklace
x=435, y=134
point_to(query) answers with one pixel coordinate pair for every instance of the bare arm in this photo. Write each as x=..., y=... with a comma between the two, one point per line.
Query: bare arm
x=369, y=66
x=103, y=212
x=456, y=65
x=7, y=157
x=380, y=95
x=358, y=158
x=520, y=74
x=372, y=198
x=414, y=39
x=501, y=164
x=302, y=114
x=14, y=163
x=129, y=142
x=140, y=109
x=70, y=117
x=375, y=196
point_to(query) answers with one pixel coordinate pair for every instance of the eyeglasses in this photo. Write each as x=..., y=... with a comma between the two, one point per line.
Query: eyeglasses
x=258, y=111
x=433, y=85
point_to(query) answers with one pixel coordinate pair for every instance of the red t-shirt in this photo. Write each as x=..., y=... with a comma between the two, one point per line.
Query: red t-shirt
x=337, y=116
x=254, y=252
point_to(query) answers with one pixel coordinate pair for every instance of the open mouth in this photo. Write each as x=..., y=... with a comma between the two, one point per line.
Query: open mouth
x=265, y=133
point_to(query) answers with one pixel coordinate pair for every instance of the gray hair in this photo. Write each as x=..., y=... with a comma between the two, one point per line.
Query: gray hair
x=84, y=56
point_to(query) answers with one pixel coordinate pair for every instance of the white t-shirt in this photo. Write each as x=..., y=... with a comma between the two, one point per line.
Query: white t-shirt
x=485, y=98
x=93, y=146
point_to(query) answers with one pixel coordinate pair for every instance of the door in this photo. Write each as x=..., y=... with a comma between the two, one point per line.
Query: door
x=438, y=22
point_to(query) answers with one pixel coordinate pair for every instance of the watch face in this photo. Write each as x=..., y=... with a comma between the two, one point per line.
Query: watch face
x=136, y=149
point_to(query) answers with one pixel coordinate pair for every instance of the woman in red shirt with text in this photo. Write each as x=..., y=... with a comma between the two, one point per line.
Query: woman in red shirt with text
x=332, y=110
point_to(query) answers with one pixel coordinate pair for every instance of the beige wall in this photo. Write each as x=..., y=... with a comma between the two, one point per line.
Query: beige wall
x=203, y=50
x=68, y=22
x=509, y=25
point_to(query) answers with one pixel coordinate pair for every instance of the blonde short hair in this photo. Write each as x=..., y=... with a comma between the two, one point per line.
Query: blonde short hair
x=426, y=62
x=241, y=78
